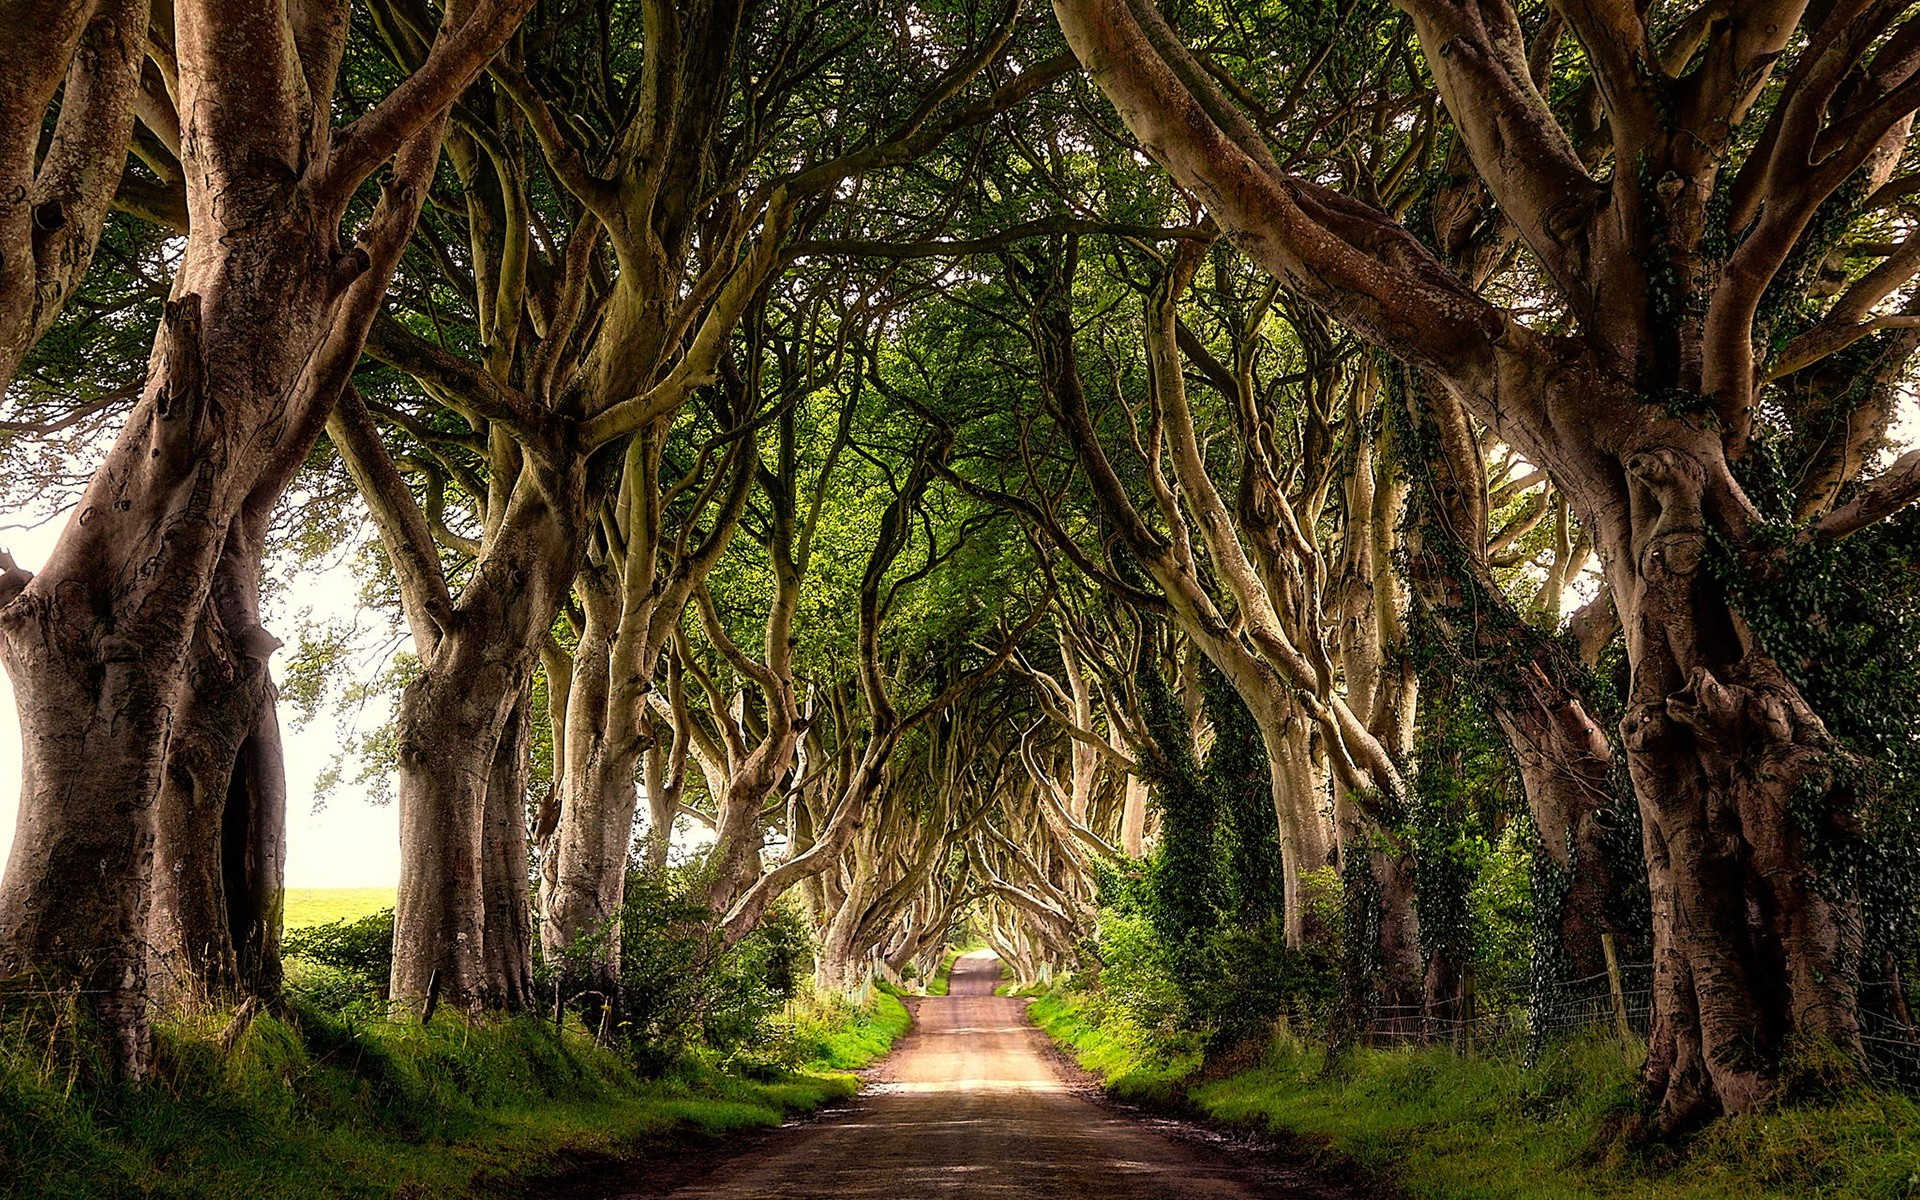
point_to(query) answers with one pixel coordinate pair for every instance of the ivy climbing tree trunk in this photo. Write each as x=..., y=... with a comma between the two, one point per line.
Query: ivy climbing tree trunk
x=1521, y=676
x=1639, y=417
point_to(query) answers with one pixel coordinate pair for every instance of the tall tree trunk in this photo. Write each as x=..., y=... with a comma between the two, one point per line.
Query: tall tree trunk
x=98, y=642
x=1735, y=776
x=1133, y=818
x=1305, y=835
x=585, y=879
x=451, y=721
x=507, y=903
x=477, y=663
x=843, y=955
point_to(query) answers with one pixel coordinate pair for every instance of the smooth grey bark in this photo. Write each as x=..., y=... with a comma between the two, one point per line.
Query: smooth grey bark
x=97, y=643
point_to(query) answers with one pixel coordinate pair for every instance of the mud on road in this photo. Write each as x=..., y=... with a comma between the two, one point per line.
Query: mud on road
x=973, y=1101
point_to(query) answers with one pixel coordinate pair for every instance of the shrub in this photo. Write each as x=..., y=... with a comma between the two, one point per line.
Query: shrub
x=683, y=989
x=342, y=963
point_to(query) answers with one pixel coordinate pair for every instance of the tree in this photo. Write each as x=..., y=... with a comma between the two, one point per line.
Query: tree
x=245, y=364
x=1644, y=413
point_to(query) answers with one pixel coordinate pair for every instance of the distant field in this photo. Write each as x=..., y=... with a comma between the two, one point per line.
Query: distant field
x=317, y=906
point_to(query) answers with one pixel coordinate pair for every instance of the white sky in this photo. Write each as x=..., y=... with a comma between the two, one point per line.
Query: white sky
x=352, y=843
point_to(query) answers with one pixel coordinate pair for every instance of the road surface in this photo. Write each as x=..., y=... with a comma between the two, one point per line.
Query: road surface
x=971, y=1102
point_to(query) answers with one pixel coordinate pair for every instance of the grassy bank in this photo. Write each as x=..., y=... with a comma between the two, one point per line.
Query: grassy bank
x=1448, y=1127
x=311, y=1106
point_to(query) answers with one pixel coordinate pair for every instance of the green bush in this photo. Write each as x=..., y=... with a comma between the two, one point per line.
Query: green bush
x=683, y=990
x=343, y=964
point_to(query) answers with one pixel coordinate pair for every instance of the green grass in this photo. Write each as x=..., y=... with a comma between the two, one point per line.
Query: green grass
x=837, y=1035
x=317, y=906
x=310, y=1106
x=1129, y=1063
x=942, y=983
x=1449, y=1127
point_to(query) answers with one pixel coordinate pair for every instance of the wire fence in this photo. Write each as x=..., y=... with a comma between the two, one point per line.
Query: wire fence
x=1888, y=1035
x=1621, y=1005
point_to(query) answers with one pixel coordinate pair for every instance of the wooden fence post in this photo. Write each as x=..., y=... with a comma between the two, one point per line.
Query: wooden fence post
x=1613, y=984
x=1467, y=1007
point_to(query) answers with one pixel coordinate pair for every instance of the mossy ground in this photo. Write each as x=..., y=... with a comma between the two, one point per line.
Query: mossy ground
x=1447, y=1126
x=306, y=1105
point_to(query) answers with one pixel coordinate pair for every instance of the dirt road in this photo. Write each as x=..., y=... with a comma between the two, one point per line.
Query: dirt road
x=972, y=1102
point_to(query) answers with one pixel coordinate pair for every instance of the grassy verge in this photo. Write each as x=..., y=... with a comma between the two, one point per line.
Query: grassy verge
x=1130, y=1064
x=311, y=1106
x=942, y=983
x=1448, y=1127
x=836, y=1035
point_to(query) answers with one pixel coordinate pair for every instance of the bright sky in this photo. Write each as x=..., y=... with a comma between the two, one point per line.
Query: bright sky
x=352, y=843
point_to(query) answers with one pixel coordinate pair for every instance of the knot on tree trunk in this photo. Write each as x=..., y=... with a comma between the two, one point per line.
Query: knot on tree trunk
x=1665, y=487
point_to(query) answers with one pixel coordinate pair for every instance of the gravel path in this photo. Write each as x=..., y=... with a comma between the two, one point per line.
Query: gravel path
x=973, y=1102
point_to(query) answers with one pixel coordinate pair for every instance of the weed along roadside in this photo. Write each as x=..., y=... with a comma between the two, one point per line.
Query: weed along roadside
x=308, y=1105
x=1438, y=1125
x=330, y=1096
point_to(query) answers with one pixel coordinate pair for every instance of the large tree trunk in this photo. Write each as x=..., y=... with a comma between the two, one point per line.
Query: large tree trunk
x=1734, y=773
x=450, y=724
x=506, y=899
x=221, y=818
x=584, y=881
x=97, y=643
x=1306, y=842
x=453, y=721
x=844, y=957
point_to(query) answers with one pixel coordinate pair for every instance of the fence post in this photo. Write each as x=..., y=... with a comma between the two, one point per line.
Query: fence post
x=1613, y=984
x=1466, y=1007
x=433, y=996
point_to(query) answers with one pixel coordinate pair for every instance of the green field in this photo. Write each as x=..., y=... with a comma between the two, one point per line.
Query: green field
x=317, y=906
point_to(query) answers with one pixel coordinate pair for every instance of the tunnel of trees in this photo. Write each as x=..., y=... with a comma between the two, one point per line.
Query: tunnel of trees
x=1403, y=505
